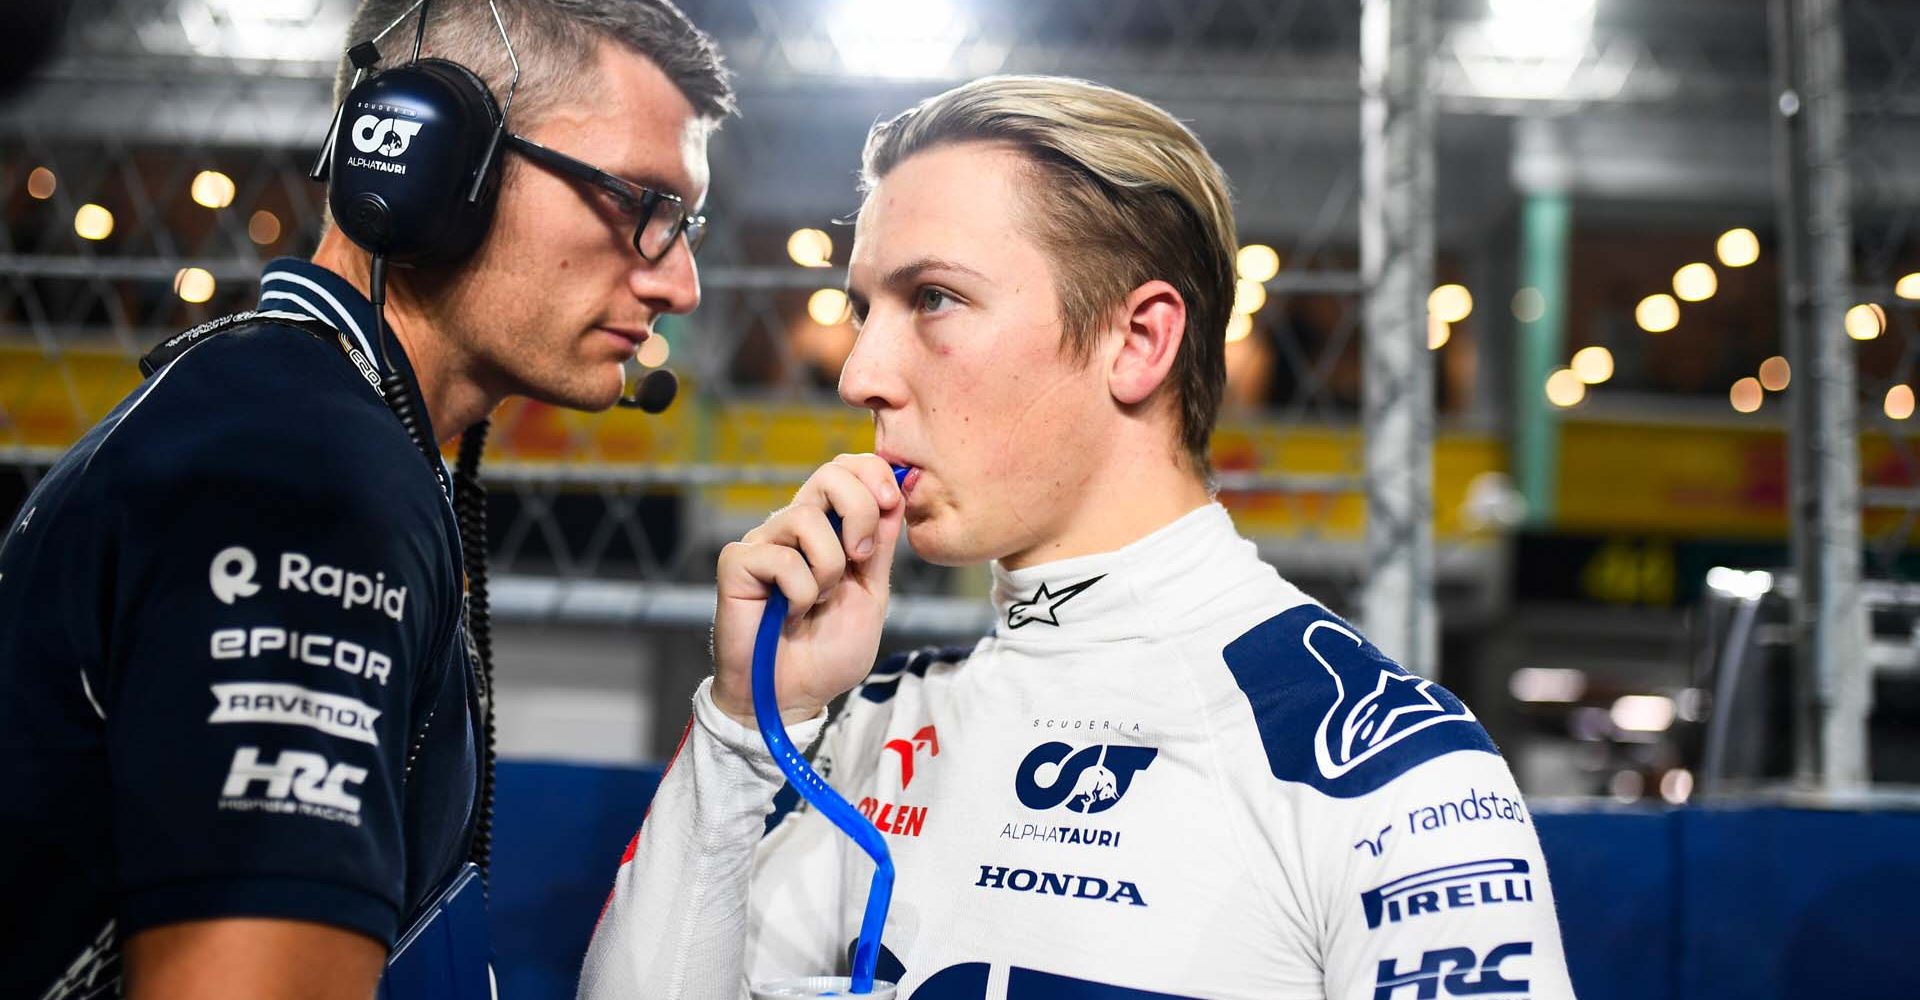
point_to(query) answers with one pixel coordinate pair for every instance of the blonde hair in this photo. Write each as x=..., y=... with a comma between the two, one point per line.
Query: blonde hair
x=1124, y=194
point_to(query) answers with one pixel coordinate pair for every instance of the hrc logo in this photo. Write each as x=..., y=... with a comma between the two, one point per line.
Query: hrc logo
x=1452, y=969
x=1089, y=780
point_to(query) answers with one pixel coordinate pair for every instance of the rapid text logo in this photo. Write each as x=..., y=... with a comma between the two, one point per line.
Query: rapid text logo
x=1452, y=970
x=231, y=575
x=1450, y=887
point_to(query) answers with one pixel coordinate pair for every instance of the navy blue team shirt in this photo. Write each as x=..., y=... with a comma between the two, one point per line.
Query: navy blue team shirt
x=235, y=679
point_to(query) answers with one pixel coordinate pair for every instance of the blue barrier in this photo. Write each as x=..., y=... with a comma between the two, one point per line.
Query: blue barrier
x=1681, y=904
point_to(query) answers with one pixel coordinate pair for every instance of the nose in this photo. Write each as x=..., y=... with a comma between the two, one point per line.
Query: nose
x=871, y=378
x=668, y=285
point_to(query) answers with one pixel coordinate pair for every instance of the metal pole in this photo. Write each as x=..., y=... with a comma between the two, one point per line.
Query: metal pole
x=1396, y=266
x=1542, y=172
x=1833, y=683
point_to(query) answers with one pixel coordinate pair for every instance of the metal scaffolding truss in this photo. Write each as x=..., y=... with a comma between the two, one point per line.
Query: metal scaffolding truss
x=148, y=94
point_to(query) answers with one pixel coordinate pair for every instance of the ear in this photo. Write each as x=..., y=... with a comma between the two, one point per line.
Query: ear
x=1153, y=322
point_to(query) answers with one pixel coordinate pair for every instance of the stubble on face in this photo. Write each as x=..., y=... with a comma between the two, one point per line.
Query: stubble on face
x=558, y=263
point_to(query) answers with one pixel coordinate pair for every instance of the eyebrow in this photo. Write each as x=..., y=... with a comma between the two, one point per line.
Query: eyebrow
x=659, y=183
x=907, y=274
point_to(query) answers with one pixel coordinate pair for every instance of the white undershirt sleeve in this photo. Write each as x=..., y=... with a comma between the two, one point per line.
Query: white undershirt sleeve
x=677, y=924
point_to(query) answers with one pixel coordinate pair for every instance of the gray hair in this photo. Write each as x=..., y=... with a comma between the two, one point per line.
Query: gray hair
x=552, y=39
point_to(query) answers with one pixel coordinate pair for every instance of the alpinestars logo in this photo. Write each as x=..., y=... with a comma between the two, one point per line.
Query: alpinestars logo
x=1361, y=726
x=296, y=783
x=1045, y=604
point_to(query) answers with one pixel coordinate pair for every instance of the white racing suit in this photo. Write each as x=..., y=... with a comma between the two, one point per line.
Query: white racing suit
x=1168, y=773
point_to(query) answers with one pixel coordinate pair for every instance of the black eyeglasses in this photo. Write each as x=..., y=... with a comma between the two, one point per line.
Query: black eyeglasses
x=659, y=217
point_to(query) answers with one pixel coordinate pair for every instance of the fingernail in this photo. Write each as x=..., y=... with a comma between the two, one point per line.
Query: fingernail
x=864, y=549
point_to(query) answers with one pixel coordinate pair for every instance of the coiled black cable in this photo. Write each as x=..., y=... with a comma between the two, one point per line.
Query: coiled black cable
x=469, y=500
x=470, y=510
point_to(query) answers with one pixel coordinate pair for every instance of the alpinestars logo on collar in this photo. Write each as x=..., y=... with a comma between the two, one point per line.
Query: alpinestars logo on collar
x=1044, y=603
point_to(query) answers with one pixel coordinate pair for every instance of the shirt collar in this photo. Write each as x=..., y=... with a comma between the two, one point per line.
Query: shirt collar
x=289, y=284
x=1130, y=592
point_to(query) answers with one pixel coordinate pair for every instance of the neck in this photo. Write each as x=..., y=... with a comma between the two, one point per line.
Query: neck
x=1135, y=492
x=455, y=400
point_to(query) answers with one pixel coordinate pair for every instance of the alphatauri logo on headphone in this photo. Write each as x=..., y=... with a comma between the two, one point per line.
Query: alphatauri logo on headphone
x=389, y=137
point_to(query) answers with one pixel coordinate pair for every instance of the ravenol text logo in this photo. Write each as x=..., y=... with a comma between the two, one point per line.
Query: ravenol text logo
x=389, y=137
x=1089, y=780
x=1452, y=970
x=1475, y=883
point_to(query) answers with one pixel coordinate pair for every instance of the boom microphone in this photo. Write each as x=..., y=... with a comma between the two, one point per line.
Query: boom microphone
x=654, y=393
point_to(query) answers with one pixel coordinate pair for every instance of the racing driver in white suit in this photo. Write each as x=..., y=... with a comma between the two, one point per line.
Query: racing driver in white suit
x=1168, y=772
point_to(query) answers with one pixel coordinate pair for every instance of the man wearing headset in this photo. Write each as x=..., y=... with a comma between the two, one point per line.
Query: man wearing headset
x=1168, y=772
x=240, y=713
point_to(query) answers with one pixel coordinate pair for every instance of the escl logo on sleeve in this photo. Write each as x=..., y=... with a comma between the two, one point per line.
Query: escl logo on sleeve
x=1307, y=672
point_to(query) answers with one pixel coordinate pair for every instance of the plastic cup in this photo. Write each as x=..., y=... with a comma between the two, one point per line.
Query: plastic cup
x=818, y=986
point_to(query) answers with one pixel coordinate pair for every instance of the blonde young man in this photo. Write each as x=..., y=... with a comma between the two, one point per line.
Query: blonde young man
x=1168, y=772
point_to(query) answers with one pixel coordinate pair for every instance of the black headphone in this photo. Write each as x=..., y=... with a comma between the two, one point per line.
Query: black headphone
x=413, y=160
x=412, y=165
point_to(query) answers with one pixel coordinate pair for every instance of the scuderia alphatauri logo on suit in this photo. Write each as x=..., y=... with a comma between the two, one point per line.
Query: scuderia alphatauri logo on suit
x=1307, y=672
x=1085, y=780
x=1044, y=605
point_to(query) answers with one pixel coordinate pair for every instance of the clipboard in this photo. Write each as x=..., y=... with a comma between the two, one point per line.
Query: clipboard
x=444, y=955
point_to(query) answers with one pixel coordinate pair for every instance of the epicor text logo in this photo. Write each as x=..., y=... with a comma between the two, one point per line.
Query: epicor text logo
x=389, y=137
x=231, y=578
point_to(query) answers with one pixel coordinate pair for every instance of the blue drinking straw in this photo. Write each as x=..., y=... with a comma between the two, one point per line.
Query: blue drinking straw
x=766, y=711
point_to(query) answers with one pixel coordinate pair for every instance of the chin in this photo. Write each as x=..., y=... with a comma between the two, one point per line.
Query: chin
x=934, y=542
x=591, y=397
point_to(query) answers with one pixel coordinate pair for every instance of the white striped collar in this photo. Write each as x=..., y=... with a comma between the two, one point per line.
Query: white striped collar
x=290, y=284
